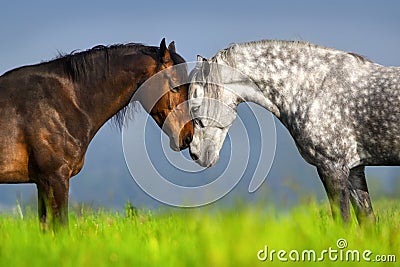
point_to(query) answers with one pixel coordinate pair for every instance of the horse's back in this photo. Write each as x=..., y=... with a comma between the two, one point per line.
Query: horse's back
x=376, y=119
x=355, y=117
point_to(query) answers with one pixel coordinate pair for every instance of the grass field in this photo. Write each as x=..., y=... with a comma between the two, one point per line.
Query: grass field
x=204, y=237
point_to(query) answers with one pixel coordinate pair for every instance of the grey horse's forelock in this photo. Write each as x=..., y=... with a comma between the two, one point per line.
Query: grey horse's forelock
x=194, y=74
x=210, y=88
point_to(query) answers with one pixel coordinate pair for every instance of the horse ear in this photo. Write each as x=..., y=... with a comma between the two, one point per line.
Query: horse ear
x=199, y=62
x=202, y=63
x=171, y=47
x=206, y=68
x=164, y=53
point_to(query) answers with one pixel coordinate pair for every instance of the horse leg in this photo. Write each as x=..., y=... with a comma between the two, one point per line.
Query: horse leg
x=335, y=183
x=53, y=202
x=42, y=207
x=359, y=195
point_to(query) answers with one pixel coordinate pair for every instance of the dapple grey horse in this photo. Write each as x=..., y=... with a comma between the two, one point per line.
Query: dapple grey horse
x=342, y=110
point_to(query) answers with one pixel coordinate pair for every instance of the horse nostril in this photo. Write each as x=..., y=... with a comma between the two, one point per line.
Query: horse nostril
x=187, y=140
x=193, y=156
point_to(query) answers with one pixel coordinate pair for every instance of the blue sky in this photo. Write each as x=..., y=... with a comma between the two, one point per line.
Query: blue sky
x=33, y=31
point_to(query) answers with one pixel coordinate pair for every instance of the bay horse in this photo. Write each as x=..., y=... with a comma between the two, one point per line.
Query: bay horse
x=342, y=110
x=50, y=112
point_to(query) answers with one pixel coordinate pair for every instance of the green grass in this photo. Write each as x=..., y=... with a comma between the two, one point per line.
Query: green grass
x=196, y=237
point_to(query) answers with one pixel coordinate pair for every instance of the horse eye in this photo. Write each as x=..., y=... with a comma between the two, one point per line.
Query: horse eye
x=172, y=86
x=195, y=109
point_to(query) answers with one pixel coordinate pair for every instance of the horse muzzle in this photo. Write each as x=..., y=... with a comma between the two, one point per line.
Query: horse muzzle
x=206, y=158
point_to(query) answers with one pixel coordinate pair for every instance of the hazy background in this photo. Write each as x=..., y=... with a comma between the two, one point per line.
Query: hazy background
x=33, y=31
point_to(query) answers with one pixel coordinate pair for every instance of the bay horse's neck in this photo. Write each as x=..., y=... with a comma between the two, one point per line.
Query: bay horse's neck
x=103, y=81
x=286, y=74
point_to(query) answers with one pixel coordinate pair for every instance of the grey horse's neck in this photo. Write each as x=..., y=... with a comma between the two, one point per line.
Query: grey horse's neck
x=288, y=74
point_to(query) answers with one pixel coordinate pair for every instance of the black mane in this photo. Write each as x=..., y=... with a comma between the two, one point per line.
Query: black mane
x=76, y=64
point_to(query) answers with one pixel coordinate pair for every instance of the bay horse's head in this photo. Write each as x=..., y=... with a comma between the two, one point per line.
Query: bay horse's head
x=170, y=88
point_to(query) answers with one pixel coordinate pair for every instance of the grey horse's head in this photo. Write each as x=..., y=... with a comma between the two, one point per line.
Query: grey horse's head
x=213, y=109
